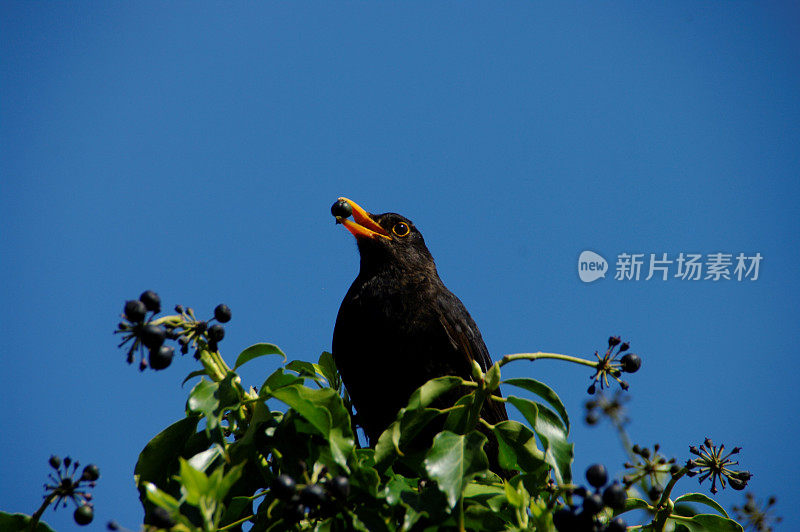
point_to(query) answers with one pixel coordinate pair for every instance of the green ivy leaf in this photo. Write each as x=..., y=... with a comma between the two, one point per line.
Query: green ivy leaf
x=410, y=423
x=431, y=390
x=235, y=509
x=258, y=350
x=492, y=378
x=702, y=499
x=708, y=523
x=464, y=419
x=203, y=400
x=324, y=410
x=161, y=498
x=632, y=503
x=552, y=433
x=545, y=392
x=192, y=375
x=517, y=446
x=363, y=475
x=224, y=485
x=453, y=460
x=21, y=522
x=305, y=369
x=163, y=450
x=278, y=379
x=328, y=367
x=203, y=460
x=195, y=484
x=515, y=496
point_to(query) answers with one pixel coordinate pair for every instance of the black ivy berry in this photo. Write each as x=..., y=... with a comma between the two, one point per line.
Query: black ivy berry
x=283, y=486
x=597, y=475
x=91, y=473
x=55, y=462
x=614, y=496
x=295, y=510
x=160, y=518
x=654, y=493
x=592, y=504
x=216, y=332
x=153, y=336
x=161, y=358
x=339, y=487
x=631, y=363
x=84, y=515
x=613, y=340
x=151, y=301
x=312, y=495
x=341, y=209
x=112, y=525
x=135, y=311
x=564, y=520
x=222, y=313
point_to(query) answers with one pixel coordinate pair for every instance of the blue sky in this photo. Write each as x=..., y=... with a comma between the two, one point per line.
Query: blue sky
x=195, y=149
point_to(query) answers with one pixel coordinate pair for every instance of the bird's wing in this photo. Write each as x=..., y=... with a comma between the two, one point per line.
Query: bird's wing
x=466, y=339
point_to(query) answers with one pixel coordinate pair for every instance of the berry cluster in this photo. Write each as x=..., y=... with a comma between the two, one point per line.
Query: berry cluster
x=66, y=484
x=711, y=462
x=314, y=498
x=757, y=516
x=602, y=406
x=650, y=465
x=609, y=365
x=585, y=518
x=149, y=333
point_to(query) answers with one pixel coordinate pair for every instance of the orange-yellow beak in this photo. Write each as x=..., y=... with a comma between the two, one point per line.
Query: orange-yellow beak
x=362, y=225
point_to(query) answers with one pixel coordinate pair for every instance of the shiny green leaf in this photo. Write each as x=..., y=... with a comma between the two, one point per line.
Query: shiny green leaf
x=632, y=503
x=324, y=410
x=551, y=432
x=453, y=460
x=304, y=369
x=708, y=523
x=329, y=370
x=278, y=379
x=517, y=446
x=192, y=375
x=258, y=350
x=163, y=450
x=702, y=499
x=403, y=430
x=228, y=480
x=492, y=378
x=203, y=460
x=161, y=498
x=14, y=522
x=545, y=392
x=195, y=484
x=203, y=400
x=465, y=418
x=431, y=390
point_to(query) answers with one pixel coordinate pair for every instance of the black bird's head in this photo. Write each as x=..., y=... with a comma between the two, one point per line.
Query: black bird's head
x=386, y=240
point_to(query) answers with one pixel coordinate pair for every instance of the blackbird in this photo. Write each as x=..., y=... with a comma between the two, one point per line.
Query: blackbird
x=398, y=325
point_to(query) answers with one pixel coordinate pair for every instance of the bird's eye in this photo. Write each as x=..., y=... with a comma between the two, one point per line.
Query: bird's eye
x=401, y=229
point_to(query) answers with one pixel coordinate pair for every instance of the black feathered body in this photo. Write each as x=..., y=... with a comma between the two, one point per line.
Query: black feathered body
x=399, y=327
